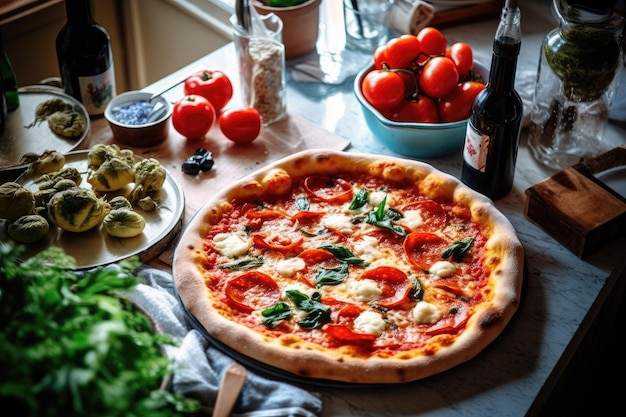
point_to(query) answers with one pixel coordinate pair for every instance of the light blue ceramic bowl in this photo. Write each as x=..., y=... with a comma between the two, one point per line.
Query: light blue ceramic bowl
x=416, y=140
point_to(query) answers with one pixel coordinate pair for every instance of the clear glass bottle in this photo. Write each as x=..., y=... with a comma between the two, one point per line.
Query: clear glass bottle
x=576, y=83
x=85, y=58
x=493, y=128
x=261, y=56
x=9, y=80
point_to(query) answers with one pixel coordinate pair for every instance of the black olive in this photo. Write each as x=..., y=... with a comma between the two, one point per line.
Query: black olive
x=206, y=163
x=191, y=167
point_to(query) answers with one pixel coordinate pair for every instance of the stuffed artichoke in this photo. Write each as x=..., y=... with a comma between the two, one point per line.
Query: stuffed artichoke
x=123, y=222
x=77, y=209
x=15, y=201
x=29, y=228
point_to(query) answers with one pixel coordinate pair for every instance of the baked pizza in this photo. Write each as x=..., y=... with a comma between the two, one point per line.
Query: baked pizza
x=351, y=267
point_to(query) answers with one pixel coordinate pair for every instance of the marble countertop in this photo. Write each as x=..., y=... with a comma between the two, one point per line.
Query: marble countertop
x=514, y=374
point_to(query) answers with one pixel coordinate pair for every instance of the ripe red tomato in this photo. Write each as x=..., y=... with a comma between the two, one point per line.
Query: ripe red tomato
x=438, y=77
x=432, y=41
x=421, y=110
x=380, y=57
x=383, y=89
x=193, y=116
x=410, y=82
x=462, y=55
x=457, y=104
x=402, y=51
x=213, y=85
x=241, y=125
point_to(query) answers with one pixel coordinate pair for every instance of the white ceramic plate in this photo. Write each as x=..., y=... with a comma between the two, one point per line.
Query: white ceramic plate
x=96, y=247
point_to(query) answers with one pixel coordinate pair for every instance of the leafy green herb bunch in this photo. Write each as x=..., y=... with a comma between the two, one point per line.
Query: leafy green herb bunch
x=71, y=344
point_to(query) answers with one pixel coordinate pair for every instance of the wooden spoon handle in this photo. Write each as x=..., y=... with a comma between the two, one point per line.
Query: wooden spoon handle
x=232, y=382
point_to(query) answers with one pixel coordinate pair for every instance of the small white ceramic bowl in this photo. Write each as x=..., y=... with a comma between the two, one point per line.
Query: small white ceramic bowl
x=416, y=140
x=138, y=135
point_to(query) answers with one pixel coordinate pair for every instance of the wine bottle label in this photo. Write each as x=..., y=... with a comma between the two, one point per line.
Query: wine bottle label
x=97, y=91
x=476, y=149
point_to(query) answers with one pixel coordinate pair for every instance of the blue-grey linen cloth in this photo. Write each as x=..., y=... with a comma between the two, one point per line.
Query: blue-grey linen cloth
x=199, y=366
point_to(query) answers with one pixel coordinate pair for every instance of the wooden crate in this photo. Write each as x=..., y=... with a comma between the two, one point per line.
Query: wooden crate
x=576, y=208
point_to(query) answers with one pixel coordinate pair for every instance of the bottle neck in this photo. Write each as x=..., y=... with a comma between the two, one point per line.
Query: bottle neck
x=506, y=47
x=79, y=12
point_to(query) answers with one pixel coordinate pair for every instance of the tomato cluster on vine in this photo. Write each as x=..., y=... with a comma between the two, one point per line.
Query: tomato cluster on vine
x=420, y=78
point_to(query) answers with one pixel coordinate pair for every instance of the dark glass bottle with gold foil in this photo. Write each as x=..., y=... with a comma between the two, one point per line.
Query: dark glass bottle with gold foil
x=493, y=128
x=85, y=58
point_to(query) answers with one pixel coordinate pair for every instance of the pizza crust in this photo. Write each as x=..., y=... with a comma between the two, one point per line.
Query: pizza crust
x=307, y=360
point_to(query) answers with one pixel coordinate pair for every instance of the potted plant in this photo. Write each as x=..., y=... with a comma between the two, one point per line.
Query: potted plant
x=300, y=23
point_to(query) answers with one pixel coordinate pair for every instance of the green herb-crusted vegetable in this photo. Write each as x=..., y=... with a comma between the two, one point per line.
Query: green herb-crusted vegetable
x=64, y=185
x=123, y=222
x=119, y=202
x=29, y=228
x=149, y=176
x=77, y=209
x=42, y=197
x=100, y=153
x=148, y=204
x=15, y=200
x=48, y=108
x=72, y=345
x=113, y=174
x=48, y=161
x=69, y=123
x=51, y=179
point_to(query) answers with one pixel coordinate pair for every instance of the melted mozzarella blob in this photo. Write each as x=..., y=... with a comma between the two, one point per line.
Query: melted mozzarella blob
x=365, y=290
x=426, y=313
x=231, y=245
x=370, y=322
x=442, y=269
